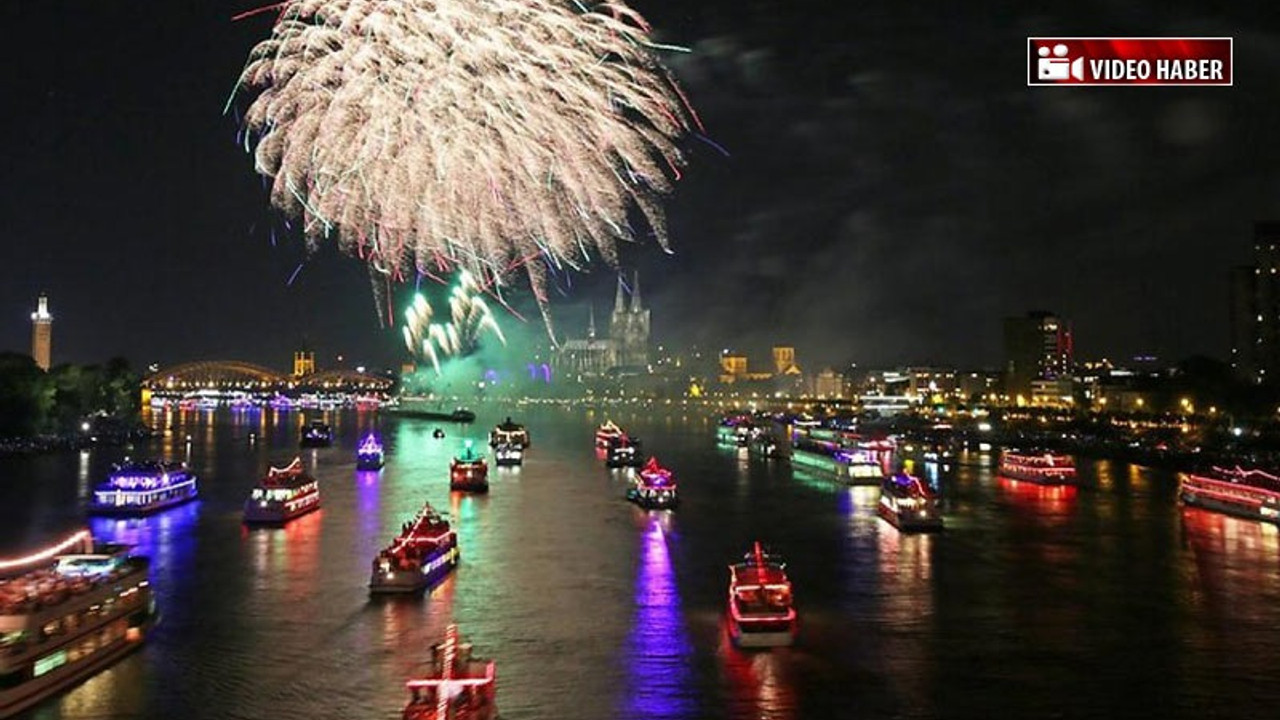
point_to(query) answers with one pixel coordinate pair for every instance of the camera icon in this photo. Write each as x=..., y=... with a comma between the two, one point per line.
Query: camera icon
x=1059, y=66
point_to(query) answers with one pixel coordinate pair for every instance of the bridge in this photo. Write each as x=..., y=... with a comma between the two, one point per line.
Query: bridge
x=236, y=375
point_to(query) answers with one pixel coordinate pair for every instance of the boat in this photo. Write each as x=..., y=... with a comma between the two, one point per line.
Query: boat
x=508, y=455
x=761, y=613
x=459, y=686
x=510, y=433
x=735, y=432
x=1042, y=467
x=369, y=455
x=624, y=452
x=606, y=434
x=67, y=613
x=143, y=487
x=468, y=471
x=420, y=556
x=282, y=495
x=852, y=467
x=653, y=487
x=317, y=434
x=1252, y=494
x=909, y=504
x=421, y=409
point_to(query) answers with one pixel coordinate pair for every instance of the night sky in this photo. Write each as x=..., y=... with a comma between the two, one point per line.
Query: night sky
x=892, y=190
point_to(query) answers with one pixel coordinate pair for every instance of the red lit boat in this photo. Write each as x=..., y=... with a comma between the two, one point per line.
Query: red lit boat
x=420, y=556
x=653, y=487
x=1045, y=468
x=1252, y=494
x=909, y=504
x=284, y=494
x=458, y=686
x=468, y=472
x=760, y=604
x=607, y=434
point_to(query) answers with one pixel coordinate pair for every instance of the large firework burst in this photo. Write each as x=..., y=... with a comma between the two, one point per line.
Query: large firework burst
x=426, y=135
x=469, y=318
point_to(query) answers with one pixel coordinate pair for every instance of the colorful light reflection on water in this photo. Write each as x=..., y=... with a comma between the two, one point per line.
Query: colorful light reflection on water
x=658, y=647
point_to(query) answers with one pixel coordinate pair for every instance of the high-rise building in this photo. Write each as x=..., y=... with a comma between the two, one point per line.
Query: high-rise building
x=1255, y=308
x=1036, y=347
x=42, y=333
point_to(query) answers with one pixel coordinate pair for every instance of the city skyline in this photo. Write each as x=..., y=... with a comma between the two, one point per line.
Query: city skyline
x=890, y=193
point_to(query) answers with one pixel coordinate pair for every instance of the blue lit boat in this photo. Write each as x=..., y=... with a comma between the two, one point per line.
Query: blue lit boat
x=468, y=471
x=761, y=613
x=419, y=557
x=653, y=487
x=67, y=613
x=458, y=686
x=909, y=504
x=143, y=487
x=369, y=455
x=317, y=434
x=284, y=494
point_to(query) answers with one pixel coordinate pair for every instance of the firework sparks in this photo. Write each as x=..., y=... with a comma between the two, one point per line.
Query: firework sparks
x=428, y=135
x=469, y=319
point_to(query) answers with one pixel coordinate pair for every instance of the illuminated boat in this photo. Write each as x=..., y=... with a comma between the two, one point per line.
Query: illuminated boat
x=468, y=471
x=509, y=432
x=284, y=494
x=735, y=431
x=66, y=613
x=624, y=452
x=761, y=613
x=140, y=488
x=316, y=434
x=607, y=434
x=1045, y=467
x=852, y=467
x=1251, y=494
x=653, y=487
x=369, y=455
x=420, y=556
x=459, y=686
x=505, y=455
x=909, y=504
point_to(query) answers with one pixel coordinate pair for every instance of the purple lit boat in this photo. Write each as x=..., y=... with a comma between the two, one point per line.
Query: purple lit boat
x=653, y=487
x=909, y=504
x=143, y=487
x=369, y=455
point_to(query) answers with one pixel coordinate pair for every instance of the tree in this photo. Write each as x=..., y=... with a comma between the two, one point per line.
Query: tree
x=26, y=396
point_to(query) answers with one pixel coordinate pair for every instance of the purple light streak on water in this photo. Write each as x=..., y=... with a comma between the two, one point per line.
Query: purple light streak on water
x=658, y=647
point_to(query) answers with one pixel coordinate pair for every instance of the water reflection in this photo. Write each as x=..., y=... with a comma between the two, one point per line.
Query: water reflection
x=658, y=648
x=758, y=681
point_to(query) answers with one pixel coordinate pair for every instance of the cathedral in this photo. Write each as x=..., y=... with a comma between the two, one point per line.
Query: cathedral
x=626, y=349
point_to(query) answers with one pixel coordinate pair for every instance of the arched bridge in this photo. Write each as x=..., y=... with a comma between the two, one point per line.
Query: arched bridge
x=238, y=375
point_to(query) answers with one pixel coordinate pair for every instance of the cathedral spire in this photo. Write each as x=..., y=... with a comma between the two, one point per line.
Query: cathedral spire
x=635, y=294
x=591, y=324
x=619, y=304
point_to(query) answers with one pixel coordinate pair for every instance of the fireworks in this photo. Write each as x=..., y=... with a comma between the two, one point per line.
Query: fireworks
x=469, y=317
x=427, y=135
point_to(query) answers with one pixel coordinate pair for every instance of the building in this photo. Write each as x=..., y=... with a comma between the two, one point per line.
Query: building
x=625, y=350
x=42, y=334
x=629, y=327
x=304, y=363
x=830, y=384
x=1254, y=310
x=1036, y=347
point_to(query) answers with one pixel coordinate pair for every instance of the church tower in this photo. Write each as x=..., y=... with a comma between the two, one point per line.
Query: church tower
x=629, y=326
x=42, y=334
